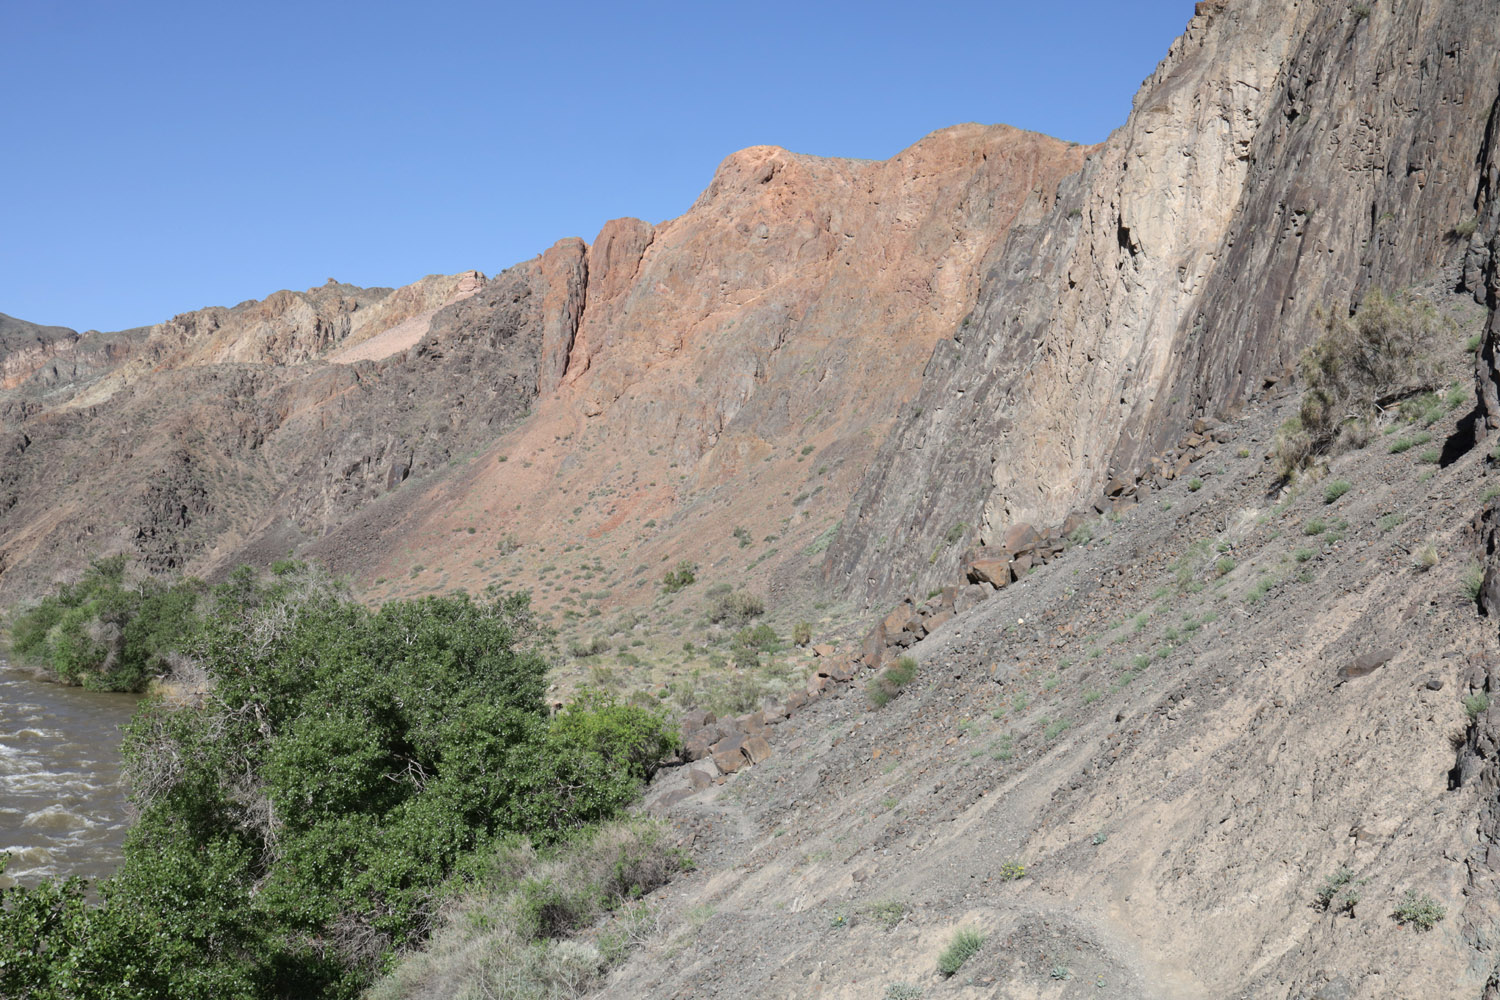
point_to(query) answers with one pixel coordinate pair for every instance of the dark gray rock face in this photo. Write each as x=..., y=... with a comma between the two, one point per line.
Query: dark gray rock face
x=203, y=465
x=1284, y=158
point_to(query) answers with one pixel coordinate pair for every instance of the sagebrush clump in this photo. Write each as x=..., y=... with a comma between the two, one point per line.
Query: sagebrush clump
x=1358, y=365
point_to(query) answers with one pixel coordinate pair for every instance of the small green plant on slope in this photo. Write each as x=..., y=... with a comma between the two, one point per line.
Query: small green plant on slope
x=887, y=913
x=964, y=946
x=903, y=991
x=1419, y=910
x=1476, y=705
x=1336, y=489
x=1339, y=892
x=891, y=680
x=1473, y=581
x=676, y=579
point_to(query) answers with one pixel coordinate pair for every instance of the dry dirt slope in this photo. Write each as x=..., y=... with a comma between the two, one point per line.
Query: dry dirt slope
x=1157, y=728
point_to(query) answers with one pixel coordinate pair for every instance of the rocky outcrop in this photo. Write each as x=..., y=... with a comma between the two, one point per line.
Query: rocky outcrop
x=1284, y=158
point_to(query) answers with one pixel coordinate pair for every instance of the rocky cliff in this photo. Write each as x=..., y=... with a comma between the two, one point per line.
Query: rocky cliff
x=1283, y=158
x=671, y=377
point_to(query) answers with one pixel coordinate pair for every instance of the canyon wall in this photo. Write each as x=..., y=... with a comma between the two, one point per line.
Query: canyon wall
x=1284, y=158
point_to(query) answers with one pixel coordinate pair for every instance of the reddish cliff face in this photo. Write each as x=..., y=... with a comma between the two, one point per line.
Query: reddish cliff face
x=645, y=395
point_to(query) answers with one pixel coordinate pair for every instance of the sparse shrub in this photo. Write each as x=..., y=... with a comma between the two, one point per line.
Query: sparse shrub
x=1467, y=227
x=964, y=946
x=1383, y=350
x=1419, y=910
x=1242, y=453
x=891, y=680
x=903, y=991
x=1224, y=566
x=1359, y=10
x=1339, y=891
x=1061, y=972
x=1473, y=581
x=888, y=912
x=955, y=533
x=1195, y=484
x=802, y=633
x=1314, y=527
x=1426, y=556
x=742, y=536
x=682, y=576
x=1430, y=456
x=1471, y=345
x=1476, y=705
x=1012, y=871
x=735, y=608
x=1081, y=535
x=1336, y=489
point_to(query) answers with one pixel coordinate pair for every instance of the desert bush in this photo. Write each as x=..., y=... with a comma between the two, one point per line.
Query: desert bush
x=684, y=574
x=1419, y=910
x=1339, y=892
x=964, y=946
x=519, y=921
x=1336, y=489
x=734, y=608
x=802, y=633
x=1473, y=581
x=1476, y=705
x=1357, y=365
x=891, y=680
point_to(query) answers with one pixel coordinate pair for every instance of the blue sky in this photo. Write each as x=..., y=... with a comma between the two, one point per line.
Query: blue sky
x=161, y=157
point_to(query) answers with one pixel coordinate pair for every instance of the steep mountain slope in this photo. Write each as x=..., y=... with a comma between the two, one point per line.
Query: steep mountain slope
x=1134, y=770
x=1284, y=158
x=665, y=381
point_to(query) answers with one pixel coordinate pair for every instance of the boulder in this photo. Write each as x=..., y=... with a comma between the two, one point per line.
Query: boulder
x=902, y=617
x=872, y=653
x=756, y=749
x=1020, y=538
x=730, y=761
x=823, y=649
x=995, y=572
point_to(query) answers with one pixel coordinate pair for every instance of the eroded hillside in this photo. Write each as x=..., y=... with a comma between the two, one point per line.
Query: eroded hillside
x=710, y=389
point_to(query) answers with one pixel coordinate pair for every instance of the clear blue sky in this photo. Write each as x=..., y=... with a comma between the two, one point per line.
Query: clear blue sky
x=160, y=157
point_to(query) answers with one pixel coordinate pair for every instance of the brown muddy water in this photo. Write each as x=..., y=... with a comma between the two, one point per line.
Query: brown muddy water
x=63, y=809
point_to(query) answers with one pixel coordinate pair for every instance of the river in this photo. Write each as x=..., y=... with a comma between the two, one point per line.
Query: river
x=63, y=809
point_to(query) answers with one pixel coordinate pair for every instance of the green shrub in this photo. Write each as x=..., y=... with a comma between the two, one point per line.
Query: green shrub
x=1336, y=489
x=1473, y=581
x=903, y=991
x=1339, y=892
x=1195, y=484
x=888, y=913
x=108, y=635
x=1476, y=705
x=1224, y=566
x=1316, y=526
x=802, y=633
x=1467, y=227
x=891, y=680
x=302, y=823
x=682, y=576
x=964, y=946
x=1419, y=910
